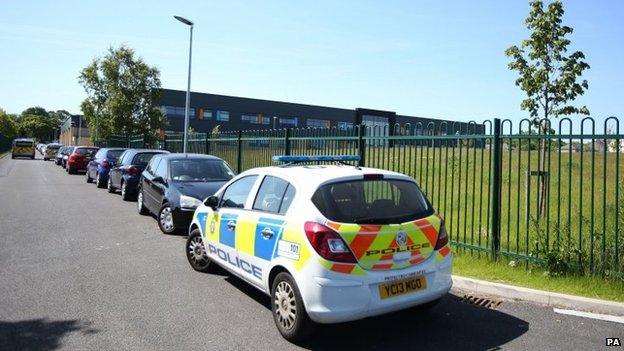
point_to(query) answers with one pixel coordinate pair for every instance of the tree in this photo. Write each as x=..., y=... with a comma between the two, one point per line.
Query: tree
x=36, y=122
x=548, y=75
x=122, y=95
x=8, y=125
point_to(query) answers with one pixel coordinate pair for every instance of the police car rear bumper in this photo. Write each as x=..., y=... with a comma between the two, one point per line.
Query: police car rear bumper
x=332, y=300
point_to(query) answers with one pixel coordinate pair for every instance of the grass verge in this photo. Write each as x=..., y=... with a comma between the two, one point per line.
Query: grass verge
x=471, y=266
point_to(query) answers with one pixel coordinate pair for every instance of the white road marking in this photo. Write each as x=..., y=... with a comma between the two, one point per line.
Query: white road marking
x=603, y=317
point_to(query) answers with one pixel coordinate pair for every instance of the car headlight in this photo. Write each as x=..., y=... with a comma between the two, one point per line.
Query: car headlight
x=189, y=202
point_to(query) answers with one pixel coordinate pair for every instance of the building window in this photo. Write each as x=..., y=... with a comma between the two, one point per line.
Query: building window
x=345, y=125
x=256, y=119
x=317, y=123
x=289, y=122
x=177, y=111
x=223, y=116
x=207, y=114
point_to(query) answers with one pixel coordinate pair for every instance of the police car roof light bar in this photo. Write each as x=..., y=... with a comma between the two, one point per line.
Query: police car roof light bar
x=316, y=158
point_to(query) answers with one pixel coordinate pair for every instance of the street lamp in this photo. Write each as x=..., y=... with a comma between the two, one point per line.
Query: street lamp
x=188, y=86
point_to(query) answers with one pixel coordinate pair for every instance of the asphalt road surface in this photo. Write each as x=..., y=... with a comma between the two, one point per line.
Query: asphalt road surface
x=81, y=270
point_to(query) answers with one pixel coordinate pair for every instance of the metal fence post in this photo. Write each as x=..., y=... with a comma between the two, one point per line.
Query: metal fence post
x=496, y=189
x=239, y=158
x=165, y=142
x=361, y=144
x=207, y=143
x=287, y=142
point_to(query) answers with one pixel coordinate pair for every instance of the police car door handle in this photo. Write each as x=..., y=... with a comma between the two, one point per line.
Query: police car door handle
x=267, y=233
x=231, y=225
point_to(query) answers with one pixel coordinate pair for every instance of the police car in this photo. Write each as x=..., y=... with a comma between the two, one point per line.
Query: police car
x=328, y=243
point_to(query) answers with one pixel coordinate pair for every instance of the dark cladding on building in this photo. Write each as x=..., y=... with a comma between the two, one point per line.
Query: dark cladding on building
x=238, y=113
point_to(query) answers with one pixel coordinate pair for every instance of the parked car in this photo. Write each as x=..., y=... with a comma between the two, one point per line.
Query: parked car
x=50, y=151
x=59, y=155
x=64, y=154
x=328, y=244
x=125, y=175
x=173, y=185
x=101, y=164
x=78, y=159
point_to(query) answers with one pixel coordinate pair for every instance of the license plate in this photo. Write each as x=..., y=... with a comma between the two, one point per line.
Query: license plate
x=402, y=287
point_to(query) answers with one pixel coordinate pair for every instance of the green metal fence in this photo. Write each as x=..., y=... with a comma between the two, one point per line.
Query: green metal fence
x=132, y=141
x=504, y=189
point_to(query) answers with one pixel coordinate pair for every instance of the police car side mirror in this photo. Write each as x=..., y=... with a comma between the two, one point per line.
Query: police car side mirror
x=212, y=202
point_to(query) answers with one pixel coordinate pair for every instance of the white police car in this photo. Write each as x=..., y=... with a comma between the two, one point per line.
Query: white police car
x=328, y=243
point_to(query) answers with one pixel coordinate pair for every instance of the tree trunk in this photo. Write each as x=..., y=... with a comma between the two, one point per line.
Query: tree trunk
x=543, y=175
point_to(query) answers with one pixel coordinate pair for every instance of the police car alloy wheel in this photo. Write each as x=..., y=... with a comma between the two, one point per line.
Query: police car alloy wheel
x=196, y=252
x=140, y=207
x=165, y=220
x=289, y=314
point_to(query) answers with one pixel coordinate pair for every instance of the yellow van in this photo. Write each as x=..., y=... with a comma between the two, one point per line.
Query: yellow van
x=23, y=148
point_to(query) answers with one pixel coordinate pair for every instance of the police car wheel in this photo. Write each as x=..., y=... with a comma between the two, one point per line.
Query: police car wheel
x=165, y=220
x=140, y=206
x=289, y=314
x=196, y=252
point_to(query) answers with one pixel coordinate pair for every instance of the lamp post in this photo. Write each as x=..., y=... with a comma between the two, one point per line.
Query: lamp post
x=188, y=86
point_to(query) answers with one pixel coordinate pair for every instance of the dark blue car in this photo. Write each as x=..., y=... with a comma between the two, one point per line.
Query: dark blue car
x=127, y=173
x=101, y=164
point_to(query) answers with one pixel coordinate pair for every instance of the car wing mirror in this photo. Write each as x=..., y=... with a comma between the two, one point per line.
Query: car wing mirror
x=212, y=202
x=158, y=179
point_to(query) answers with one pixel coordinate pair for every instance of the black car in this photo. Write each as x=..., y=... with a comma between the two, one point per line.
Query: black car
x=173, y=185
x=127, y=173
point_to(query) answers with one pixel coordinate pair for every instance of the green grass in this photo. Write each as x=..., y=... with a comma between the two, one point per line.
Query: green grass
x=471, y=266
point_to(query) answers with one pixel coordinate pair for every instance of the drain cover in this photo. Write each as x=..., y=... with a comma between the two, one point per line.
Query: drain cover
x=486, y=302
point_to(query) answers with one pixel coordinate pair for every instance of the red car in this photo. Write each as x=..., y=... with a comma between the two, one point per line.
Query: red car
x=79, y=158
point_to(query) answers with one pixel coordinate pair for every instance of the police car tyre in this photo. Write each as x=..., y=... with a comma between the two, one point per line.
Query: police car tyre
x=140, y=207
x=88, y=177
x=289, y=313
x=165, y=220
x=109, y=186
x=196, y=253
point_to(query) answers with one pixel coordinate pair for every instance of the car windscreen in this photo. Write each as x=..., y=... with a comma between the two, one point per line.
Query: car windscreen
x=143, y=158
x=200, y=170
x=379, y=201
x=85, y=150
x=53, y=147
x=24, y=143
x=114, y=154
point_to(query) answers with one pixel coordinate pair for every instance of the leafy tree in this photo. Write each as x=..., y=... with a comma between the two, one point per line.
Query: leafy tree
x=548, y=74
x=8, y=125
x=122, y=95
x=36, y=122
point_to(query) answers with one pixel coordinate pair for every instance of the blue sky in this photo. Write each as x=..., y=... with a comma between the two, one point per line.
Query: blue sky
x=441, y=59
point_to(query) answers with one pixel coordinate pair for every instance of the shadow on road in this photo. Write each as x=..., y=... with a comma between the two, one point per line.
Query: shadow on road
x=39, y=334
x=451, y=325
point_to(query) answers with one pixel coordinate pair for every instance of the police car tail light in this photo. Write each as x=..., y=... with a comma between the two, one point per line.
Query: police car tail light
x=327, y=243
x=442, y=237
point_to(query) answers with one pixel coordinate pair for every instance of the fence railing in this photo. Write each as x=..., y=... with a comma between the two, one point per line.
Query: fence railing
x=505, y=189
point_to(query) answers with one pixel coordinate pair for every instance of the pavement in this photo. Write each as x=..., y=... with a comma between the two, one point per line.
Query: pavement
x=80, y=269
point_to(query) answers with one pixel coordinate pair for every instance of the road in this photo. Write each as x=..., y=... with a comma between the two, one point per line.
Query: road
x=80, y=269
